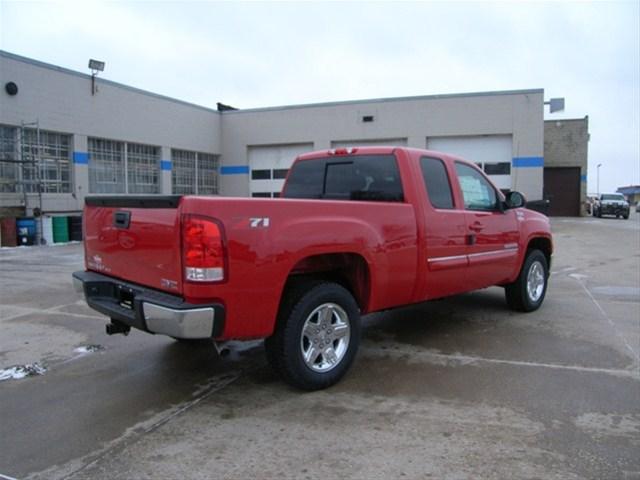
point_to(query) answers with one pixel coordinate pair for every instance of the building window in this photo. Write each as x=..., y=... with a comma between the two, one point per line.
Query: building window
x=119, y=167
x=8, y=159
x=280, y=173
x=106, y=166
x=52, y=153
x=183, y=172
x=501, y=168
x=143, y=173
x=261, y=174
x=194, y=173
x=207, y=174
x=29, y=158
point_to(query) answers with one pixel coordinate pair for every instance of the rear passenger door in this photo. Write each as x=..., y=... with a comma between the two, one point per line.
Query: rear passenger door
x=445, y=233
x=492, y=232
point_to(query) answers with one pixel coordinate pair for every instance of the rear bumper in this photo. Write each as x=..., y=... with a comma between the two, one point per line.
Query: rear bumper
x=149, y=310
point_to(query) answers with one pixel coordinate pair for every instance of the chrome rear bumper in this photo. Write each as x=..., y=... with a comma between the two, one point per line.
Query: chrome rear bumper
x=148, y=309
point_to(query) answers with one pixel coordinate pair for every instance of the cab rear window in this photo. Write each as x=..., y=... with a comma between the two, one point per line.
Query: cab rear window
x=360, y=177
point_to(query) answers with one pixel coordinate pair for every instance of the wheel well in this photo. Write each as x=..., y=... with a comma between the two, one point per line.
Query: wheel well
x=542, y=244
x=347, y=269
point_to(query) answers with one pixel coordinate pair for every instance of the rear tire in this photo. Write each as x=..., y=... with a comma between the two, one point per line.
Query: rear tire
x=317, y=335
x=527, y=293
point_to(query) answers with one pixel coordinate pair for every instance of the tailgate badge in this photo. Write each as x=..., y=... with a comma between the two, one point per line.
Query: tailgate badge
x=257, y=222
x=95, y=262
x=171, y=284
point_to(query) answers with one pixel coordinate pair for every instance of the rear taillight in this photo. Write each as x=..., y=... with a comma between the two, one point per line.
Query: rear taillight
x=204, y=252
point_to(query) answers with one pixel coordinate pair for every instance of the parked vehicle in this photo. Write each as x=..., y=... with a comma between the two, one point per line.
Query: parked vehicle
x=356, y=231
x=611, y=204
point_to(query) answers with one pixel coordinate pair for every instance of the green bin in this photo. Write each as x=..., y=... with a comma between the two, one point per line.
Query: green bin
x=60, y=229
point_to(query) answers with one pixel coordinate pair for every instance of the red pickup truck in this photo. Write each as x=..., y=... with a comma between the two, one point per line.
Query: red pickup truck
x=355, y=231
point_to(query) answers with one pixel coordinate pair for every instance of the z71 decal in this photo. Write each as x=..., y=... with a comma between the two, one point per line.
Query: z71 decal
x=258, y=222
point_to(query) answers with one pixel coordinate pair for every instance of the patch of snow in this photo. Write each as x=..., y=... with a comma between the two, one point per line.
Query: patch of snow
x=578, y=276
x=88, y=349
x=18, y=372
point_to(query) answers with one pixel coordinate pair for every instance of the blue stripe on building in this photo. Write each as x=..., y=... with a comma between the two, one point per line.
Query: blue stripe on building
x=583, y=178
x=234, y=170
x=527, y=162
x=165, y=164
x=81, y=158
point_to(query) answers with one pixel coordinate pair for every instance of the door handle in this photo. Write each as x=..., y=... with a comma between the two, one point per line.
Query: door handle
x=476, y=227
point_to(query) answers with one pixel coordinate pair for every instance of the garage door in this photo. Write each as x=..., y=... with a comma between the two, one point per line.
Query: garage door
x=394, y=142
x=492, y=153
x=562, y=189
x=269, y=165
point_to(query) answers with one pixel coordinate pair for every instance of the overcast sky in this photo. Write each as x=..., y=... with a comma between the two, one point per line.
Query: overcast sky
x=267, y=54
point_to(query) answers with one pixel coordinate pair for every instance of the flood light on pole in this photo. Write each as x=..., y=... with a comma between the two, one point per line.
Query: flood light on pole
x=555, y=105
x=95, y=66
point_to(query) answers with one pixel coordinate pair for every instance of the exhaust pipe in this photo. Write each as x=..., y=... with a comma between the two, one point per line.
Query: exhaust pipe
x=117, y=327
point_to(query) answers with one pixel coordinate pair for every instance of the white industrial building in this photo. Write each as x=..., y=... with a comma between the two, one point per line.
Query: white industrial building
x=72, y=139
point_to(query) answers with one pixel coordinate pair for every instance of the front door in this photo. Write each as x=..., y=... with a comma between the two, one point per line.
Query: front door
x=492, y=232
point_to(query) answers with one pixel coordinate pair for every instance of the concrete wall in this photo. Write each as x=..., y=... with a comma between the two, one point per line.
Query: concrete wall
x=61, y=101
x=519, y=114
x=566, y=144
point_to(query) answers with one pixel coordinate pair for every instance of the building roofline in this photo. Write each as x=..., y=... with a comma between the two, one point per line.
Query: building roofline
x=553, y=120
x=38, y=63
x=384, y=100
x=68, y=71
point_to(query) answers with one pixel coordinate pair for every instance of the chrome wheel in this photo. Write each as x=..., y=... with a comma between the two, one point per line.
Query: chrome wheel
x=325, y=337
x=535, y=281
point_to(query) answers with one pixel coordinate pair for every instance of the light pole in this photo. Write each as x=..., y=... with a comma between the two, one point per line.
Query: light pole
x=95, y=66
x=598, y=179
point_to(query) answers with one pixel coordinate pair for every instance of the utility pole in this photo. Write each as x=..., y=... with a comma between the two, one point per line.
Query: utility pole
x=598, y=179
x=34, y=159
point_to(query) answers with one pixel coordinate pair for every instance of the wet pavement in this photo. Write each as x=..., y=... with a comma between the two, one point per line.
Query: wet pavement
x=461, y=388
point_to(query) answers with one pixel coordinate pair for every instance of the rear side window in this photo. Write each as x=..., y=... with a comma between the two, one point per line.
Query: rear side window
x=436, y=182
x=361, y=177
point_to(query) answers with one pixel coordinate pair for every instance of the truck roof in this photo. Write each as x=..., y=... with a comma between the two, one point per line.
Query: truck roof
x=376, y=150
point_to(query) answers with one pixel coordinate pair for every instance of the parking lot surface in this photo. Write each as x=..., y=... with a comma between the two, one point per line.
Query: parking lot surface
x=460, y=388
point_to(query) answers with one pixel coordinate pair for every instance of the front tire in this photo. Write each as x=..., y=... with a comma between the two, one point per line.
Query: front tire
x=317, y=335
x=527, y=293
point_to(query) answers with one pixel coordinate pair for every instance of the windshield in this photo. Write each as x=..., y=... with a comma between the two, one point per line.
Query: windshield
x=614, y=196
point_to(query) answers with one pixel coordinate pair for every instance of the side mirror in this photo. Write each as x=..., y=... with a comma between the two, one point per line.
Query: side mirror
x=515, y=200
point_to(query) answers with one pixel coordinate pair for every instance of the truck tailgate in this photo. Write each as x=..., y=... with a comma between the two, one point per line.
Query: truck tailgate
x=135, y=239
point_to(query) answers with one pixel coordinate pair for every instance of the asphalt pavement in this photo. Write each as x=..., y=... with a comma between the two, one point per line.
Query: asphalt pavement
x=460, y=388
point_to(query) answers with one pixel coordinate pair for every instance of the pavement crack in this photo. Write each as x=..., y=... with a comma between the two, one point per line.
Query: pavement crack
x=616, y=331
x=456, y=359
x=137, y=432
